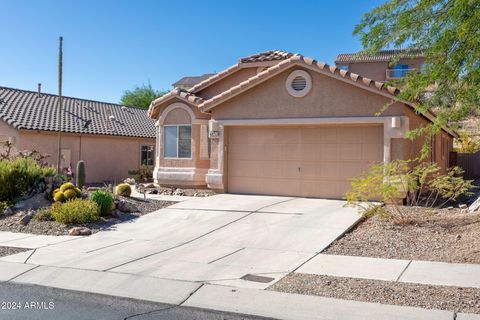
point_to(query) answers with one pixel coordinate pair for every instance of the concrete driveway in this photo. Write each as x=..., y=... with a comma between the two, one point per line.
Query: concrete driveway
x=217, y=240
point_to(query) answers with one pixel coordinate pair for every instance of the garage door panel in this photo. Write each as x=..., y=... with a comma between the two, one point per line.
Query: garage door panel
x=327, y=189
x=349, y=151
x=283, y=187
x=319, y=171
x=263, y=169
x=371, y=135
x=349, y=134
x=372, y=152
x=281, y=151
x=299, y=161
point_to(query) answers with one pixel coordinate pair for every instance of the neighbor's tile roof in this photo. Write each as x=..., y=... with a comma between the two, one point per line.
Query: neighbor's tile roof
x=190, y=81
x=272, y=55
x=383, y=55
x=267, y=56
x=24, y=109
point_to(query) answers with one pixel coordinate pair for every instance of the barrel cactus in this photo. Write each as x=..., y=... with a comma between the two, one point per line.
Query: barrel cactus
x=59, y=196
x=67, y=186
x=124, y=190
x=70, y=194
x=80, y=180
x=67, y=191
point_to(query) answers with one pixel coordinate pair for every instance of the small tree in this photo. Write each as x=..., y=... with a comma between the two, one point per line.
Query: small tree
x=401, y=181
x=448, y=32
x=467, y=144
x=140, y=96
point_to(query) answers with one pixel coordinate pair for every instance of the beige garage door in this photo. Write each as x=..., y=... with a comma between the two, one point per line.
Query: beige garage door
x=300, y=161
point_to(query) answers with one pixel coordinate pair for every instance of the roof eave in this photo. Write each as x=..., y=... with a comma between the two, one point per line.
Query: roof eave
x=317, y=66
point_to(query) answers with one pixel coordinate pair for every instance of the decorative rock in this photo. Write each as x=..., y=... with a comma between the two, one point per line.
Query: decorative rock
x=79, y=231
x=126, y=206
x=33, y=203
x=25, y=219
x=8, y=212
x=463, y=206
x=116, y=213
x=178, y=192
x=129, y=181
x=450, y=208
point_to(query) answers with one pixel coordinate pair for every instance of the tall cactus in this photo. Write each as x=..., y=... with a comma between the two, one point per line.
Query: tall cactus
x=80, y=180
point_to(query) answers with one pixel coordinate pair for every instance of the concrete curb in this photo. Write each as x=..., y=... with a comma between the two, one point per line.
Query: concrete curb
x=301, y=307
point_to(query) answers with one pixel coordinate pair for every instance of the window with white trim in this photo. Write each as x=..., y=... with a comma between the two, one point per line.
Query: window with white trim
x=177, y=141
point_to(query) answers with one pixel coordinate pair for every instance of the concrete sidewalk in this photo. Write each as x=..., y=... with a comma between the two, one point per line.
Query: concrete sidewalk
x=423, y=272
x=214, y=297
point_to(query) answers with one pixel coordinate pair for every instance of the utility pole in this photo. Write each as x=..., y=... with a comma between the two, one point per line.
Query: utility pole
x=59, y=108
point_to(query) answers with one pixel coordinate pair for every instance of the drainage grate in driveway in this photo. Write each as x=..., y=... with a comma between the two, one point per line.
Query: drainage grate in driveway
x=255, y=278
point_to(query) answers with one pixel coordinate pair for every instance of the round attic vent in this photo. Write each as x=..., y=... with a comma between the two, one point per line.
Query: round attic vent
x=298, y=83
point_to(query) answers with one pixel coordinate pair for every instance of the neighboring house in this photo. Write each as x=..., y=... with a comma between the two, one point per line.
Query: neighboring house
x=187, y=82
x=384, y=66
x=110, y=138
x=283, y=124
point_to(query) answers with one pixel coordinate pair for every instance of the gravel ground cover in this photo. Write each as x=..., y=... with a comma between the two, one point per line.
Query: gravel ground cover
x=11, y=223
x=6, y=251
x=442, y=235
x=406, y=294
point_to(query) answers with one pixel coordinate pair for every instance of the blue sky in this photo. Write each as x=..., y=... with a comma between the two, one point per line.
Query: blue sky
x=111, y=46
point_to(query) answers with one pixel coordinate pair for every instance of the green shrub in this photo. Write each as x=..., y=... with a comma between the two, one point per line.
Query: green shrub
x=3, y=205
x=18, y=175
x=76, y=211
x=124, y=190
x=405, y=181
x=104, y=200
x=44, y=214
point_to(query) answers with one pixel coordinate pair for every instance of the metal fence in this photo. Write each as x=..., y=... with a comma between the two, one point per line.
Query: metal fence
x=469, y=162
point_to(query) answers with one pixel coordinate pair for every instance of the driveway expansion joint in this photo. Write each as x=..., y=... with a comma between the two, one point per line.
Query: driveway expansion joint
x=403, y=271
x=21, y=274
x=31, y=254
x=227, y=255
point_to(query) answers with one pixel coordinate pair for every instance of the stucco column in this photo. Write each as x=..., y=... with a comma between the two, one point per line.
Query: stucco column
x=393, y=127
x=215, y=176
x=158, y=139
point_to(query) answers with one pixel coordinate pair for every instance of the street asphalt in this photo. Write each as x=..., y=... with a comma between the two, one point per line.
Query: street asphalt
x=31, y=302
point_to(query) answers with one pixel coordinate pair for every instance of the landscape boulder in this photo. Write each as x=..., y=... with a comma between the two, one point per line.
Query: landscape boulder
x=79, y=231
x=8, y=212
x=25, y=217
x=36, y=202
x=126, y=206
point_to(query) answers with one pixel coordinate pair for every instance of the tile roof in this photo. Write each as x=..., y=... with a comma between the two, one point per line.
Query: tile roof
x=272, y=55
x=267, y=56
x=216, y=77
x=191, y=80
x=298, y=60
x=24, y=109
x=383, y=55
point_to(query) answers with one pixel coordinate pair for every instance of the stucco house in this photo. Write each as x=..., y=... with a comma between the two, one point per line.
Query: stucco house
x=283, y=124
x=112, y=139
x=385, y=65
